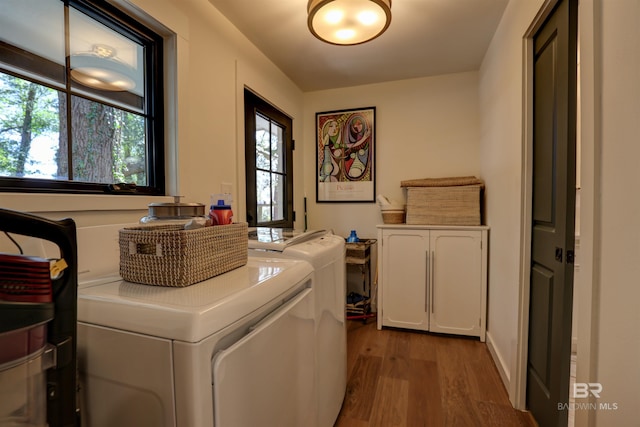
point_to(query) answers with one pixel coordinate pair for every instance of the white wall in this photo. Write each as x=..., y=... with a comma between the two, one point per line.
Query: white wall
x=426, y=127
x=501, y=101
x=617, y=251
x=205, y=130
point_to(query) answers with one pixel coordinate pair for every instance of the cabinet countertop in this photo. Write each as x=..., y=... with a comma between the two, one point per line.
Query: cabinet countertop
x=432, y=227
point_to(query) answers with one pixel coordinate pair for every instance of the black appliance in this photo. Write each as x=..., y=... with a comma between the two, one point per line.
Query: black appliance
x=38, y=316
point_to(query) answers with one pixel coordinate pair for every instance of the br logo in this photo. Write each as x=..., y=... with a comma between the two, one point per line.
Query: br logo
x=583, y=390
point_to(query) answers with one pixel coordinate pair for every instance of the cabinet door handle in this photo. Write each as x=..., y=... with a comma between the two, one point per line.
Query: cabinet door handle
x=431, y=281
x=426, y=284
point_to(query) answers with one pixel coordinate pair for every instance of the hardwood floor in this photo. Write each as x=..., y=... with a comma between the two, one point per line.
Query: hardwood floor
x=406, y=378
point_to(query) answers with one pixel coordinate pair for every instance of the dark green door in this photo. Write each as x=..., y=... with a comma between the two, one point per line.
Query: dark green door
x=553, y=211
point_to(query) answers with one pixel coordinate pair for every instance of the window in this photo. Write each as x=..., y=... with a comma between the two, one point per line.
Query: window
x=269, y=164
x=81, y=99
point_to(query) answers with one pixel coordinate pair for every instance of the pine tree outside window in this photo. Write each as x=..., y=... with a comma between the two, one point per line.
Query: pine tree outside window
x=80, y=99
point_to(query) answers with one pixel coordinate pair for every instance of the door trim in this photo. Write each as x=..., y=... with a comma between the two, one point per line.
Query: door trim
x=588, y=119
x=518, y=387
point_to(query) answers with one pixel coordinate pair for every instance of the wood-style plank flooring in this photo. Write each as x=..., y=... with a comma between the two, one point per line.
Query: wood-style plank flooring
x=406, y=378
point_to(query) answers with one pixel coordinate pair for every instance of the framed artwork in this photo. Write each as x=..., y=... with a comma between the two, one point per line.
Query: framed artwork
x=345, y=162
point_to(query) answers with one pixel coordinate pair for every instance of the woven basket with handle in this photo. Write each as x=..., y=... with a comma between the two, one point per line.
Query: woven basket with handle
x=169, y=255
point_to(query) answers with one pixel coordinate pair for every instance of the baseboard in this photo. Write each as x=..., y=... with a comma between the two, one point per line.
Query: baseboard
x=503, y=368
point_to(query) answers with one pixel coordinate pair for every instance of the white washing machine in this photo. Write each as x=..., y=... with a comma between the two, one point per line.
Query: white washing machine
x=231, y=351
x=326, y=253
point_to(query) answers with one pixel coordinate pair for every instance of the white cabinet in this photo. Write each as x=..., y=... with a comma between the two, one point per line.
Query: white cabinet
x=433, y=278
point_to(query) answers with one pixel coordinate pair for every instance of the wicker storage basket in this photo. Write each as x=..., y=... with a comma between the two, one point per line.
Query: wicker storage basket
x=456, y=205
x=393, y=216
x=442, y=182
x=168, y=255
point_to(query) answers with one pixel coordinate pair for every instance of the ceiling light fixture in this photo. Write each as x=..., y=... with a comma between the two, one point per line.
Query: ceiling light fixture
x=102, y=69
x=348, y=22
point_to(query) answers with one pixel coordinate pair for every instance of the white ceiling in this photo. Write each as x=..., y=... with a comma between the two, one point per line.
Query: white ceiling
x=425, y=38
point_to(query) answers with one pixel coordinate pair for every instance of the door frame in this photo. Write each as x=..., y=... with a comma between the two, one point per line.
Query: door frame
x=588, y=121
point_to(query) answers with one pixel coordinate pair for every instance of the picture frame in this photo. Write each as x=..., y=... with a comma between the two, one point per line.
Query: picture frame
x=345, y=155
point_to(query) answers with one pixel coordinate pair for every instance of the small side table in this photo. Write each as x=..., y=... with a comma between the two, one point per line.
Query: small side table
x=359, y=254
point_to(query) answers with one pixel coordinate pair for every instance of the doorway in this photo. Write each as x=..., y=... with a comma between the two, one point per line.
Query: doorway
x=552, y=231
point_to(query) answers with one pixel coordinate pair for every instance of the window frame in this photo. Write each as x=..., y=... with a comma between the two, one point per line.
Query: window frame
x=253, y=105
x=153, y=106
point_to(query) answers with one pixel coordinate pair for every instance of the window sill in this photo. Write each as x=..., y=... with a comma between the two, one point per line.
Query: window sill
x=32, y=202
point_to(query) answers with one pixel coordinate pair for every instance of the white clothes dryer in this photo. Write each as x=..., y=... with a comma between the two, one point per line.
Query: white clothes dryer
x=326, y=253
x=232, y=351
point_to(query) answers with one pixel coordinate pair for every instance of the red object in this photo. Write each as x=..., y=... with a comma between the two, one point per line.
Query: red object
x=25, y=279
x=221, y=214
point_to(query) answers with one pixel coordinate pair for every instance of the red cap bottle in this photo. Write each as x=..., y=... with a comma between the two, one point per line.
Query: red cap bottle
x=221, y=214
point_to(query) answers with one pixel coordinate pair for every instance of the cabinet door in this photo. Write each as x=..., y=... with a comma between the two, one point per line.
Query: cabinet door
x=456, y=282
x=404, y=278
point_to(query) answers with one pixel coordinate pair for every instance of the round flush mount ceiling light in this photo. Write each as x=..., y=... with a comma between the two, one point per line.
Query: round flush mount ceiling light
x=348, y=22
x=101, y=69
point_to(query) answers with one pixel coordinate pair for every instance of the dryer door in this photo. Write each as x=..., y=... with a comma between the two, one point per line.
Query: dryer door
x=267, y=378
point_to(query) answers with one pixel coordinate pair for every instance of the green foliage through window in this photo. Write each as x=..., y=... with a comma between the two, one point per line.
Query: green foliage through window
x=64, y=129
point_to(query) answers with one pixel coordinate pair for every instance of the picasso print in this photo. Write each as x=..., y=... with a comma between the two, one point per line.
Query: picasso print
x=345, y=155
